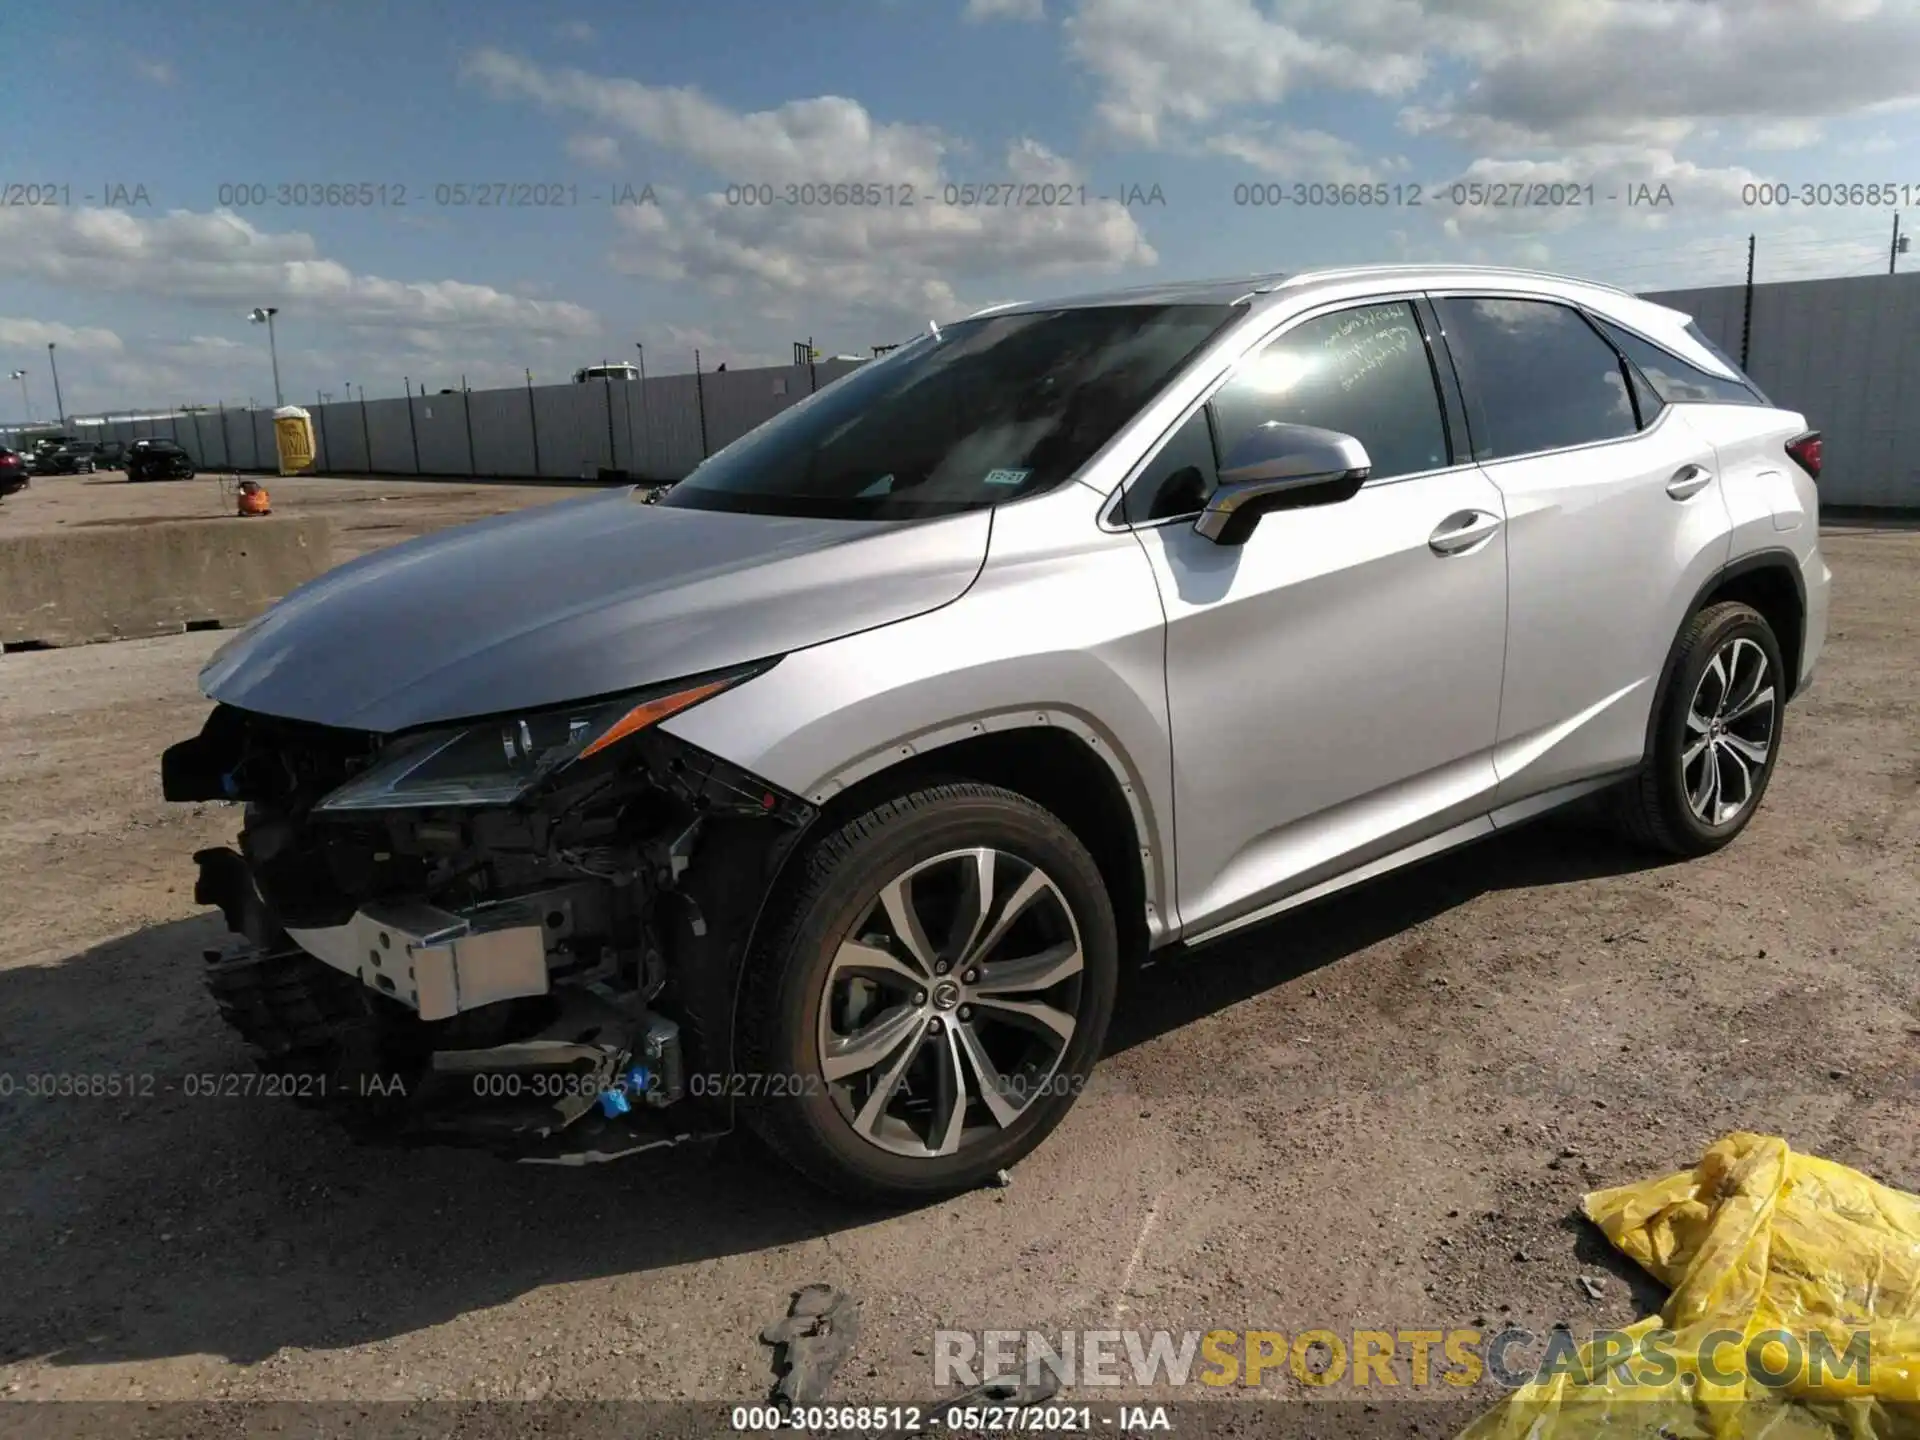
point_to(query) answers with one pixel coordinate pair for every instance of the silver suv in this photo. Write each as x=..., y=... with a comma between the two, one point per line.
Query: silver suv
x=833, y=790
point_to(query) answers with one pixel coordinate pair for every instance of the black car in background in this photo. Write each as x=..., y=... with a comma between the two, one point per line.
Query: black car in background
x=158, y=460
x=15, y=472
x=71, y=457
x=110, y=454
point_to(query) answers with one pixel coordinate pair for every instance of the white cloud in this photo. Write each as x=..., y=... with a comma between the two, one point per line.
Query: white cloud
x=1617, y=174
x=887, y=261
x=600, y=151
x=1028, y=10
x=1786, y=135
x=577, y=30
x=223, y=258
x=1880, y=144
x=1308, y=155
x=1518, y=75
x=1164, y=67
x=827, y=137
x=889, y=264
x=160, y=72
x=1620, y=68
x=17, y=332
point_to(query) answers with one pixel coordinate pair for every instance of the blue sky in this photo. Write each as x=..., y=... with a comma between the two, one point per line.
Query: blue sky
x=1178, y=105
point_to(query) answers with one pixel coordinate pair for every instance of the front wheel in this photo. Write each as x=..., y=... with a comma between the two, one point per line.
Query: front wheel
x=930, y=996
x=1716, y=736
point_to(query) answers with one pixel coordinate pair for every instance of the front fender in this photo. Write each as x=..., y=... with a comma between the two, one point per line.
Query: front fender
x=1058, y=633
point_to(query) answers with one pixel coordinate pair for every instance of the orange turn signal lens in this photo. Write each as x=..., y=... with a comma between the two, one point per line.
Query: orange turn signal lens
x=652, y=712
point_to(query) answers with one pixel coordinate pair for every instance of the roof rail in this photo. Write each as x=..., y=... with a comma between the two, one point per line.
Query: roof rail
x=1333, y=272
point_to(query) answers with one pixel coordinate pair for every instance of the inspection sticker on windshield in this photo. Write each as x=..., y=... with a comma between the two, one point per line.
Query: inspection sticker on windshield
x=1006, y=477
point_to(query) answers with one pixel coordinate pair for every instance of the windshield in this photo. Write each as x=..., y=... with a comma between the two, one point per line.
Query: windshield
x=990, y=410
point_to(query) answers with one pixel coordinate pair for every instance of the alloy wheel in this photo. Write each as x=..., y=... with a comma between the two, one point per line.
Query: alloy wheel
x=1730, y=731
x=951, y=1003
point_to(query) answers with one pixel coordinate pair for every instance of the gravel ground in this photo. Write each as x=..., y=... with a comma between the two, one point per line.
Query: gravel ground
x=1378, y=1113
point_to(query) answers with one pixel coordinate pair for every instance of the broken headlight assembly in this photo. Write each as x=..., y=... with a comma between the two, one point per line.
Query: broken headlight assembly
x=497, y=761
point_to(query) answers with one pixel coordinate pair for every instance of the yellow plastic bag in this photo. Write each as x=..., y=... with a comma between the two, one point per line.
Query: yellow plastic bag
x=1795, y=1310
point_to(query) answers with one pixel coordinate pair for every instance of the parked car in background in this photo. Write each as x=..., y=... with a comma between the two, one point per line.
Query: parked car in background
x=75, y=457
x=158, y=460
x=15, y=472
x=42, y=446
x=110, y=455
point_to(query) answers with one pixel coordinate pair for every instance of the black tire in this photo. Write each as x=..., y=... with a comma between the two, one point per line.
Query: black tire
x=834, y=887
x=1653, y=809
x=292, y=1011
x=187, y=473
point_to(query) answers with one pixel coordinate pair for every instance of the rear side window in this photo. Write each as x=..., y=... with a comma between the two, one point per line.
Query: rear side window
x=1537, y=376
x=1364, y=372
x=1676, y=381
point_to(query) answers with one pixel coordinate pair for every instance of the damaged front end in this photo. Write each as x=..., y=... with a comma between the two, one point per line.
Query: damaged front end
x=523, y=931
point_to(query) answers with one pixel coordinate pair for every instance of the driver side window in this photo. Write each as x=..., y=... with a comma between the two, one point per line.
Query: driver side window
x=1363, y=371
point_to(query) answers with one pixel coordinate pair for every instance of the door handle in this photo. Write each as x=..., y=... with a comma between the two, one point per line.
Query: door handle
x=1688, y=481
x=1463, y=531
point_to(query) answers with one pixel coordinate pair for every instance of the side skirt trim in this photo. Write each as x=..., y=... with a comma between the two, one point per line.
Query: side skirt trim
x=1480, y=828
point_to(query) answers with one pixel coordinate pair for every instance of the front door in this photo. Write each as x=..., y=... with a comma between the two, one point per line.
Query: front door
x=1333, y=684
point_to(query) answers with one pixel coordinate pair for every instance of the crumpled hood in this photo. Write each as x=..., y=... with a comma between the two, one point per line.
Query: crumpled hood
x=575, y=599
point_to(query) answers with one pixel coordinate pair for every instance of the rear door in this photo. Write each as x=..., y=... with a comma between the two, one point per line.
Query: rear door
x=1772, y=501
x=1616, y=515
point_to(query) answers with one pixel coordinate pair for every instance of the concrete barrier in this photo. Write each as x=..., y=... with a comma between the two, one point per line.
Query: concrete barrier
x=117, y=580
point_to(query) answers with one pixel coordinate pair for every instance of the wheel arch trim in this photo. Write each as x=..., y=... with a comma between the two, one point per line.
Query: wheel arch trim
x=1155, y=849
x=1756, y=562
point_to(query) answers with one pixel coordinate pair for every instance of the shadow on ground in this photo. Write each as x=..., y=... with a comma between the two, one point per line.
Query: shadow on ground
x=1173, y=993
x=160, y=1223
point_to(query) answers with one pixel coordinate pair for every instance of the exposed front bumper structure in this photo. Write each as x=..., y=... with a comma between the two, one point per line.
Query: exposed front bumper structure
x=538, y=976
x=438, y=963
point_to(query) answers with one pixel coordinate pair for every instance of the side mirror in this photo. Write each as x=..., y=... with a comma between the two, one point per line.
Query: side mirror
x=1281, y=467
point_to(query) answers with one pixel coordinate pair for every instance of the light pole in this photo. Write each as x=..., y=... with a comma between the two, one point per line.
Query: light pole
x=58, y=404
x=263, y=315
x=26, y=401
x=646, y=406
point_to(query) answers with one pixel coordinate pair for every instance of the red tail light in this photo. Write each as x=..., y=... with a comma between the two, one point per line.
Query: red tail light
x=1807, y=452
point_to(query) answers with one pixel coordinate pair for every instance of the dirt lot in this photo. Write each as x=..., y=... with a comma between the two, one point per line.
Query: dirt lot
x=366, y=513
x=1378, y=1113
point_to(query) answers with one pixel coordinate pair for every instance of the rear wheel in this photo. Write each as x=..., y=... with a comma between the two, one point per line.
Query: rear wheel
x=931, y=996
x=1715, y=739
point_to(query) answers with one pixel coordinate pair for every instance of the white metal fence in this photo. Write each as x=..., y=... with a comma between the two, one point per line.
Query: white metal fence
x=655, y=429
